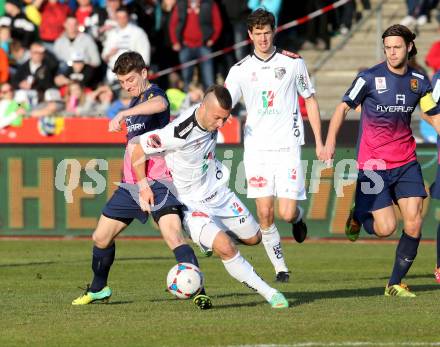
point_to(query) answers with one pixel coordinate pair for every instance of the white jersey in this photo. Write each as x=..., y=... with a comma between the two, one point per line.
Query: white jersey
x=190, y=156
x=270, y=90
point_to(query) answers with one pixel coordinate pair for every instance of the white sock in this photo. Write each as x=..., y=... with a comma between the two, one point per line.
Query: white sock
x=272, y=244
x=300, y=214
x=242, y=271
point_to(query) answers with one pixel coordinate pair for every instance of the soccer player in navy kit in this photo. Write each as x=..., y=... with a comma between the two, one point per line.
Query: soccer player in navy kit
x=435, y=188
x=144, y=188
x=388, y=169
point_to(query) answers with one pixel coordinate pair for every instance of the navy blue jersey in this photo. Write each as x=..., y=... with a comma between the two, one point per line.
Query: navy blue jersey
x=138, y=125
x=156, y=168
x=387, y=101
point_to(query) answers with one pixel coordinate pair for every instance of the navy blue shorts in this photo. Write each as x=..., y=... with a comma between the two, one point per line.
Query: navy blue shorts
x=123, y=205
x=435, y=187
x=386, y=187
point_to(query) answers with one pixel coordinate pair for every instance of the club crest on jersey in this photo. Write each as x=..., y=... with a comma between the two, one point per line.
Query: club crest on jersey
x=381, y=83
x=254, y=77
x=414, y=84
x=279, y=72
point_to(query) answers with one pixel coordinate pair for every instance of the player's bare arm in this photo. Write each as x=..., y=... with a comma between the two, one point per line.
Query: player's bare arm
x=152, y=106
x=335, y=124
x=315, y=122
x=433, y=120
x=139, y=162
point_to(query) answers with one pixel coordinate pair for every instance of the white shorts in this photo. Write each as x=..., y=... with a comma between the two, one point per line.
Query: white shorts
x=222, y=212
x=275, y=173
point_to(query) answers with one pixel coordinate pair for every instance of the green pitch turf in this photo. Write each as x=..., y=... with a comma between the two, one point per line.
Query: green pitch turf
x=336, y=297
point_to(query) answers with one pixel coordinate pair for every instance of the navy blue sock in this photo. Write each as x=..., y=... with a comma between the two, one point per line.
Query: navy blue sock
x=368, y=224
x=185, y=254
x=406, y=252
x=101, y=263
x=438, y=246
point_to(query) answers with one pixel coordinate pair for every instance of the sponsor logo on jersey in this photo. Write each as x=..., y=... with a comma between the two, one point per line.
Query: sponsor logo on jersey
x=301, y=83
x=206, y=159
x=394, y=108
x=381, y=83
x=236, y=208
x=267, y=96
x=400, y=98
x=279, y=72
x=382, y=91
x=292, y=174
x=257, y=182
x=414, y=84
x=296, y=130
x=186, y=130
x=199, y=214
x=135, y=127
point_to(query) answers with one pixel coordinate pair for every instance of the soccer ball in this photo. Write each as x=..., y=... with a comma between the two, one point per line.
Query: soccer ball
x=184, y=280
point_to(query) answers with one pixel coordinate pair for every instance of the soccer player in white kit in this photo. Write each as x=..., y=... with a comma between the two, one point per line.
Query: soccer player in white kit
x=270, y=80
x=213, y=211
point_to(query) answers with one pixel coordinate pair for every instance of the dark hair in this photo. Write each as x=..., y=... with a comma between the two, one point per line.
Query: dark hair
x=222, y=95
x=128, y=62
x=407, y=35
x=123, y=9
x=259, y=18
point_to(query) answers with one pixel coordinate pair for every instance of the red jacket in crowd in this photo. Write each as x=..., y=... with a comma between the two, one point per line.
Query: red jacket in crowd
x=195, y=22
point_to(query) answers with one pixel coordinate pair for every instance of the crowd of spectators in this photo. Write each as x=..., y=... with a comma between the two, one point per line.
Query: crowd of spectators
x=56, y=56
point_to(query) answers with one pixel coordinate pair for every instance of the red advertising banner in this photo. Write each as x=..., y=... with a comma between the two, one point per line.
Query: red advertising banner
x=88, y=131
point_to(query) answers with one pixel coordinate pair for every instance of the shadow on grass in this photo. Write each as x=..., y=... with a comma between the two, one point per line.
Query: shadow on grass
x=28, y=264
x=141, y=258
x=302, y=298
x=118, y=302
x=428, y=275
x=122, y=259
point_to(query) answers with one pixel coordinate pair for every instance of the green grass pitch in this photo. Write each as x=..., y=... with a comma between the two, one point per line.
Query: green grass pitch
x=336, y=297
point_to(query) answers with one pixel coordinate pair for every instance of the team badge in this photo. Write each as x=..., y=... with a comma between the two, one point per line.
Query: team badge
x=254, y=77
x=414, y=84
x=381, y=83
x=280, y=72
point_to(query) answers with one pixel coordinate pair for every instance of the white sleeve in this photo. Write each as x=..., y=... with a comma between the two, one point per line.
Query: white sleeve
x=436, y=92
x=233, y=85
x=161, y=140
x=302, y=80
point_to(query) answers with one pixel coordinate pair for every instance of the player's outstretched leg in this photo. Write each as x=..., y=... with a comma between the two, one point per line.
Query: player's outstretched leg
x=272, y=244
x=185, y=254
x=352, y=226
x=243, y=272
x=101, y=263
x=406, y=253
x=299, y=228
x=437, y=267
